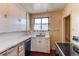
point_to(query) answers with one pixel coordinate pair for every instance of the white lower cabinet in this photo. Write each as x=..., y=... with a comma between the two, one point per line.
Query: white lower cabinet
x=15, y=51
x=10, y=52
x=34, y=44
x=21, y=49
x=40, y=44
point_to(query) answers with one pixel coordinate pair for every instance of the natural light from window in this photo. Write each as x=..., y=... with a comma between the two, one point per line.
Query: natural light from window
x=41, y=24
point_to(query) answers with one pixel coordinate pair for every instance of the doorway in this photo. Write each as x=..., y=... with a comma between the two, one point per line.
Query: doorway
x=67, y=29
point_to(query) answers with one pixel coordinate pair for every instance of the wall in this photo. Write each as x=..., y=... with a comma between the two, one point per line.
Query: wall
x=14, y=20
x=57, y=31
x=73, y=10
x=55, y=26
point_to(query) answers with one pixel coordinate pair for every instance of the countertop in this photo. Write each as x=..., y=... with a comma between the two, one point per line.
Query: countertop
x=66, y=49
x=8, y=40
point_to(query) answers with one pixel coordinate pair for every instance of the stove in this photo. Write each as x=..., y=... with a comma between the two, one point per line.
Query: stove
x=75, y=45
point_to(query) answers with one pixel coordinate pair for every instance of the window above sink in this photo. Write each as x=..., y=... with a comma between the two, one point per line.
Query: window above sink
x=41, y=24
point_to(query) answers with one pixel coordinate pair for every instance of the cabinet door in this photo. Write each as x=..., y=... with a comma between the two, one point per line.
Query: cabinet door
x=45, y=45
x=40, y=44
x=21, y=51
x=34, y=44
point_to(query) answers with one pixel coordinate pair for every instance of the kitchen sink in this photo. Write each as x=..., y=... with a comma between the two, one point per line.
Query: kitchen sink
x=40, y=35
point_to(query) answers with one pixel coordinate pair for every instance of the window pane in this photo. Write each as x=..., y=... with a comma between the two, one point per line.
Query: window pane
x=45, y=26
x=37, y=26
x=44, y=20
x=44, y=23
x=37, y=20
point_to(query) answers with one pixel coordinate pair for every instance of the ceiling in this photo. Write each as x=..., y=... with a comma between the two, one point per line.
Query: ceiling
x=41, y=7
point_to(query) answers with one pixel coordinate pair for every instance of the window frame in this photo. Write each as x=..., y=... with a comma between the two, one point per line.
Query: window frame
x=41, y=23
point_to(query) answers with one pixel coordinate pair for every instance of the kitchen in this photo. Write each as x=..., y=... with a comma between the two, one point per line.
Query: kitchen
x=39, y=29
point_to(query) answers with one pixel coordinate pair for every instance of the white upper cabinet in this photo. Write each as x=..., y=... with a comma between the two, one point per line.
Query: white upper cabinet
x=12, y=18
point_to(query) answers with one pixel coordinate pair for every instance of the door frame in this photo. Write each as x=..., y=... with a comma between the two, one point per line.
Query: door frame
x=64, y=28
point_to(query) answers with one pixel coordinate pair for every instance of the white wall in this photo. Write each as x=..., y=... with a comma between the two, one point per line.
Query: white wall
x=15, y=18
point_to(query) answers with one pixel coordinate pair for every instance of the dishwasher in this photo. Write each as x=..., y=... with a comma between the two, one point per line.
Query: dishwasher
x=27, y=47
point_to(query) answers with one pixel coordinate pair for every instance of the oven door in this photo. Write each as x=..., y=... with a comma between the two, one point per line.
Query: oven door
x=75, y=50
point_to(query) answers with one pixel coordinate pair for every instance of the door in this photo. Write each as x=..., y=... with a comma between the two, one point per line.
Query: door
x=67, y=29
x=21, y=49
x=45, y=45
x=34, y=44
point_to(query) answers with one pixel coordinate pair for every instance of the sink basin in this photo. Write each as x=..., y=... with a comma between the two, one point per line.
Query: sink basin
x=40, y=35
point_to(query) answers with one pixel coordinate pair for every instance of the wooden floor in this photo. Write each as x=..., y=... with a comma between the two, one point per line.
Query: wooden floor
x=52, y=53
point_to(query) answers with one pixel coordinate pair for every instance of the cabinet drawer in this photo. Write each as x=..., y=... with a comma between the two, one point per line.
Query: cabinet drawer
x=21, y=49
